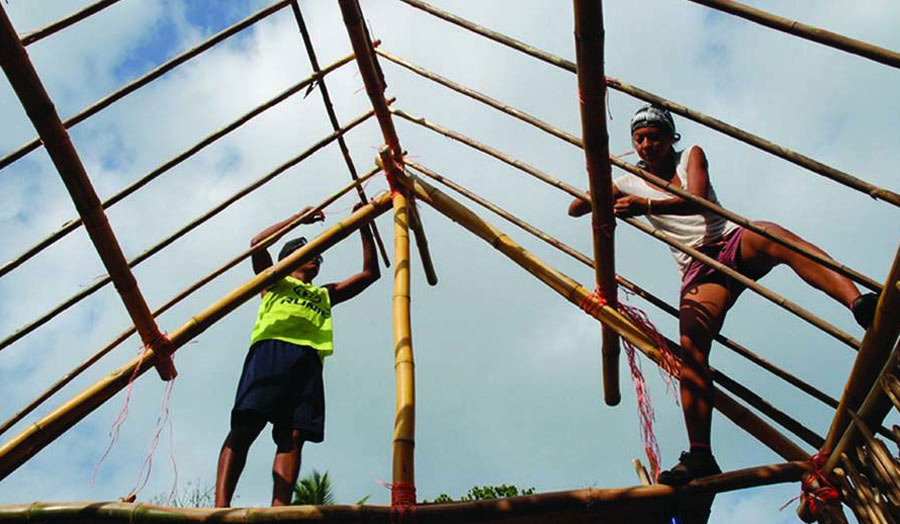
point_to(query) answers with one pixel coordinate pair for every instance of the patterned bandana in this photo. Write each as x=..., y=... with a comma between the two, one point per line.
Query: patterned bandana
x=653, y=116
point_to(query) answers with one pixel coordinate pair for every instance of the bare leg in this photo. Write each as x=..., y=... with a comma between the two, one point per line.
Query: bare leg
x=232, y=459
x=286, y=466
x=758, y=254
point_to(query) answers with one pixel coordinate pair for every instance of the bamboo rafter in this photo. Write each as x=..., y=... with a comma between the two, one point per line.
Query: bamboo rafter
x=63, y=23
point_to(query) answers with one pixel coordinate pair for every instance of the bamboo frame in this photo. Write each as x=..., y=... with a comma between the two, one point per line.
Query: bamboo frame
x=263, y=244
x=37, y=104
x=784, y=153
x=806, y=32
x=752, y=285
x=26, y=444
x=589, y=51
x=643, y=503
x=147, y=78
x=335, y=125
x=646, y=175
x=404, y=440
x=75, y=223
x=63, y=23
x=190, y=226
x=577, y=294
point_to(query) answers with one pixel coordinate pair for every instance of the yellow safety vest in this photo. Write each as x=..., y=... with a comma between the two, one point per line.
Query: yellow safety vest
x=296, y=312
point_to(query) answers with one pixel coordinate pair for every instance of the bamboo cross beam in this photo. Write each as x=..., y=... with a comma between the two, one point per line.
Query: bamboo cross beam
x=646, y=175
x=190, y=226
x=807, y=32
x=595, y=137
x=63, y=23
x=35, y=437
x=629, y=504
x=335, y=125
x=757, y=288
x=784, y=153
x=742, y=392
x=263, y=244
x=149, y=77
x=578, y=295
x=870, y=362
x=75, y=223
x=37, y=104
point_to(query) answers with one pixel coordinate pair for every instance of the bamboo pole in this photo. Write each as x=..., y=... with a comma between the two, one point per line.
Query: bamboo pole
x=190, y=226
x=630, y=504
x=59, y=25
x=861, y=392
x=589, y=44
x=146, y=79
x=641, y=472
x=405, y=414
x=418, y=229
x=35, y=437
x=807, y=32
x=335, y=125
x=75, y=223
x=728, y=383
x=37, y=104
x=646, y=175
x=578, y=295
x=738, y=134
x=264, y=244
x=761, y=290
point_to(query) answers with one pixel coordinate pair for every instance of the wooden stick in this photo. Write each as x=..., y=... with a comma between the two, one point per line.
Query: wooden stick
x=418, y=229
x=404, y=420
x=335, y=125
x=264, y=244
x=891, y=387
x=59, y=25
x=807, y=32
x=578, y=295
x=592, y=103
x=75, y=223
x=646, y=175
x=760, y=143
x=872, y=508
x=77, y=297
x=20, y=448
x=641, y=472
x=881, y=461
x=41, y=112
x=751, y=284
x=146, y=79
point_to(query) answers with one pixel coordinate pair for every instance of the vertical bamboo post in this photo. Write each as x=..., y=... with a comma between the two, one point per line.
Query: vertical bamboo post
x=34, y=98
x=592, y=101
x=403, y=488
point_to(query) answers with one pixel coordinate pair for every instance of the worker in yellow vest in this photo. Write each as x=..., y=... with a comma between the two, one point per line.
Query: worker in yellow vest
x=281, y=382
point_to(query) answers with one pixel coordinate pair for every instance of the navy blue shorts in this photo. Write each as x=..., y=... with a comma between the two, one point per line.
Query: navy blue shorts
x=282, y=384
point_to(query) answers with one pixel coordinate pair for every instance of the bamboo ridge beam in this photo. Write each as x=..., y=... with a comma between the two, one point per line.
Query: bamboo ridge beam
x=335, y=125
x=37, y=104
x=647, y=503
x=73, y=224
x=147, y=78
x=264, y=244
x=761, y=290
x=784, y=153
x=728, y=383
x=592, y=104
x=807, y=32
x=578, y=294
x=253, y=186
x=63, y=23
x=646, y=175
x=26, y=444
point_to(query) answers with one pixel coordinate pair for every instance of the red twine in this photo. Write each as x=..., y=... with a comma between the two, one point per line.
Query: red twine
x=816, y=491
x=403, y=502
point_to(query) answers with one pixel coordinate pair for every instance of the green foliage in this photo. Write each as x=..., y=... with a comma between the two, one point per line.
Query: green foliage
x=194, y=495
x=485, y=493
x=314, y=489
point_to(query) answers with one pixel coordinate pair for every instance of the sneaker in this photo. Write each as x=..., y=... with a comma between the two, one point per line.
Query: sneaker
x=863, y=309
x=690, y=466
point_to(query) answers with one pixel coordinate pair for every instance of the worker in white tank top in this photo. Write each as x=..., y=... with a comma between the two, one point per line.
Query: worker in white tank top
x=707, y=294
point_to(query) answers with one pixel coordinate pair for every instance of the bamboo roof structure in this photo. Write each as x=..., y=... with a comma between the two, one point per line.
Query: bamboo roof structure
x=851, y=459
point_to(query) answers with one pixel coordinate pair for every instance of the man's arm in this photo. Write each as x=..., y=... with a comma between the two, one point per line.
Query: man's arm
x=342, y=291
x=261, y=259
x=697, y=184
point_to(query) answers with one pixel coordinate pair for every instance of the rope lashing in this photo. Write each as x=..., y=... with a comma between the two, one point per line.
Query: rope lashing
x=816, y=491
x=162, y=350
x=403, y=503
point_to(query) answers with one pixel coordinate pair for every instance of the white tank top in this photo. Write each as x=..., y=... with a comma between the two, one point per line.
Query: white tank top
x=700, y=229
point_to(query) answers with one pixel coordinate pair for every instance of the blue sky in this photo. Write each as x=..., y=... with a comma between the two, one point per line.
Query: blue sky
x=507, y=372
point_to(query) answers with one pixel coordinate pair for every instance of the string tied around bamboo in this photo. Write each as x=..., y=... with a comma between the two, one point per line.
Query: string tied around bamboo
x=816, y=491
x=162, y=351
x=403, y=503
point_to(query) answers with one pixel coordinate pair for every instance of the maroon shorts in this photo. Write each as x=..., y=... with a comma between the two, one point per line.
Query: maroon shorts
x=728, y=253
